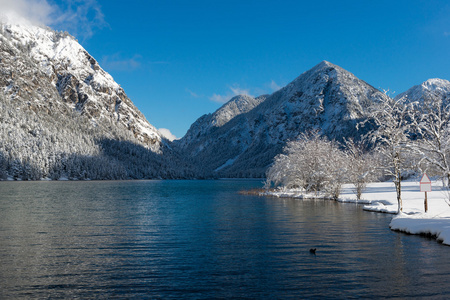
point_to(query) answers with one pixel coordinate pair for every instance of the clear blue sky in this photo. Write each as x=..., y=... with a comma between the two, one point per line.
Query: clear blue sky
x=177, y=59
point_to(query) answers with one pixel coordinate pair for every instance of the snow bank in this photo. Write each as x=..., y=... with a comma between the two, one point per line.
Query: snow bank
x=423, y=224
x=379, y=206
x=382, y=197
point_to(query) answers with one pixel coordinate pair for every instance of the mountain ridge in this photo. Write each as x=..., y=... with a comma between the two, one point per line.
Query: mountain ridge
x=326, y=98
x=63, y=116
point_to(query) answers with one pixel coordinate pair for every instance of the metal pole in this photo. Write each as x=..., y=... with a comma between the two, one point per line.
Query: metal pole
x=426, y=202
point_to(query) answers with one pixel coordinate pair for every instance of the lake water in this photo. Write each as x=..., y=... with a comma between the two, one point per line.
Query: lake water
x=202, y=240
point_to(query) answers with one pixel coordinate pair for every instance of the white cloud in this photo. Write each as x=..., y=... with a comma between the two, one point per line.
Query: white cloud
x=274, y=86
x=117, y=62
x=194, y=95
x=38, y=12
x=167, y=134
x=80, y=18
x=234, y=91
x=220, y=98
x=238, y=91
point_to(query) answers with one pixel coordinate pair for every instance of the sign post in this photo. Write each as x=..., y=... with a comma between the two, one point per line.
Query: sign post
x=425, y=186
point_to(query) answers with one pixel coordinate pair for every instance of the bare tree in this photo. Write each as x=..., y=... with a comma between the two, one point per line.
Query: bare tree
x=393, y=124
x=361, y=166
x=312, y=163
x=432, y=127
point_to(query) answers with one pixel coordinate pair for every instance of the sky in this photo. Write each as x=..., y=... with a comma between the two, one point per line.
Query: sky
x=178, y=60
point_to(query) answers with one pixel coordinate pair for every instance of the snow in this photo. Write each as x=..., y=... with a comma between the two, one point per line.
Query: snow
x=227, y=163
x=438, y=227
x=382, y=197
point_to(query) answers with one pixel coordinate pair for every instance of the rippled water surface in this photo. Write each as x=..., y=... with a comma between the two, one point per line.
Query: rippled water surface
x=200, y=239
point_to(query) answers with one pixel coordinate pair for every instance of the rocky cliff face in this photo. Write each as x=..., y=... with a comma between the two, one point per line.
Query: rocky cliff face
x=61, y=64
x=326, y=98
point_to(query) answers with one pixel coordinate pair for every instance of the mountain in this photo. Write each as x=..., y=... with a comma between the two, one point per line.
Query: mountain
x=63, y=116
x=326, y=98
x=206, y=124
x=431, y=88
x=81, y=83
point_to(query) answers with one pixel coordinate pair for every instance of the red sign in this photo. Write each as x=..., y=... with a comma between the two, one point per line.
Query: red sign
x=425, y=183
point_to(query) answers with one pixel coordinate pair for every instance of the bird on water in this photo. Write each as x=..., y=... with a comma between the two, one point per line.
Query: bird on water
x=312, y=250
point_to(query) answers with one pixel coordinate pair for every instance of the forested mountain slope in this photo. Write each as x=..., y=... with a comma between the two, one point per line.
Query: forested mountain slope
x=326, y=98
x=64, y=116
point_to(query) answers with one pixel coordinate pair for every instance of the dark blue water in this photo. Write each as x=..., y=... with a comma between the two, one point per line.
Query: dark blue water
x=202, y=240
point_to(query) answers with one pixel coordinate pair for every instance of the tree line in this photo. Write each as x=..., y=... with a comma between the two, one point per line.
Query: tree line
x=36, y=145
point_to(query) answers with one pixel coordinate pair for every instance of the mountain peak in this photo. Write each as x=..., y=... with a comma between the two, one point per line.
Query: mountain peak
x=325, y=63
x=436, y=83
x=236, y=106
x=434, y=86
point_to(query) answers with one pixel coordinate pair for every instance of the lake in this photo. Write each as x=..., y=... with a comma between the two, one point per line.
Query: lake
x=203, y=240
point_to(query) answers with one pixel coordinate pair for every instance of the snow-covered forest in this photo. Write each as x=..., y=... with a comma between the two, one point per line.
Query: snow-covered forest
x=55, y=146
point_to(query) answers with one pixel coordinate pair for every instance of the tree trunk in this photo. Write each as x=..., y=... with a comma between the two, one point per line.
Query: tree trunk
x=398, y=188
x=448, y=180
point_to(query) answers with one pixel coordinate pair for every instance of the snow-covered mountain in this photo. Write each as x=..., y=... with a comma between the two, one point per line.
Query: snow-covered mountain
x=79, y=80
x=63, y=116
x=326, y=98
x=429, y=89
x=206, y=124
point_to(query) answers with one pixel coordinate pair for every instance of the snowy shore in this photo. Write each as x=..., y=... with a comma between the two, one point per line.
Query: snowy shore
x=381, y=197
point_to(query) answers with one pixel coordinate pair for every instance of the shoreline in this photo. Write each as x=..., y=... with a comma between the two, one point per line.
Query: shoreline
x=381, y=197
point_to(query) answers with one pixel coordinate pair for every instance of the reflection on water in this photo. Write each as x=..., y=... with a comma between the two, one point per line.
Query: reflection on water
x=200, y=239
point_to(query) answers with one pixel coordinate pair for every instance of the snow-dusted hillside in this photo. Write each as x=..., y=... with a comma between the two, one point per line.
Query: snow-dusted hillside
x=429, y=89
x=81, y=83
x=326, y=98
x=62, y=116
x=206, y=124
